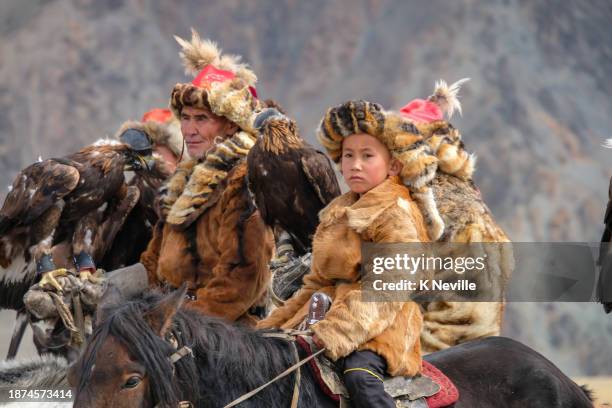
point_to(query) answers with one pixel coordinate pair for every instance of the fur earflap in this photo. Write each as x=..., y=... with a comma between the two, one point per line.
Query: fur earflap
x=447, y=97
x=198, y=53
x=607, y=144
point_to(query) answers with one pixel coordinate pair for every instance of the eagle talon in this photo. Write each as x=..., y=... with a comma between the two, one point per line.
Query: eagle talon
x=87, y=275
x=48, y=278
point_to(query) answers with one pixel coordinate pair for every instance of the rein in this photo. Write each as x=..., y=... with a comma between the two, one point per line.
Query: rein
x=174, y=357
x=289, y=335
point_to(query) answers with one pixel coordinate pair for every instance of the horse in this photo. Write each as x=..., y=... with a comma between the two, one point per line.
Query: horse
x=131, y=360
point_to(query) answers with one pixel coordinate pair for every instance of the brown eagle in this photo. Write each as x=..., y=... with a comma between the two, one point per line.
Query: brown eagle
x=164, y=134
x=290, y=180
x=65, y=200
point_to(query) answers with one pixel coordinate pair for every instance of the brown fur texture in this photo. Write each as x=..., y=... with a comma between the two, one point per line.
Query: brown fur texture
x=445, y=142
x=391, y=329
x=223, y=255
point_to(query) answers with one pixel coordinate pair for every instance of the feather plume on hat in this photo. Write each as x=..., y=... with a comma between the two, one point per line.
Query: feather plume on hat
x=197, y=54
x=447, y=97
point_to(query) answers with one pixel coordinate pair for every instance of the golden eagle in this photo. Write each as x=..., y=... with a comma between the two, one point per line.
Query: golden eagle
x=290, y=180
x=65, y=200
x=164, y=134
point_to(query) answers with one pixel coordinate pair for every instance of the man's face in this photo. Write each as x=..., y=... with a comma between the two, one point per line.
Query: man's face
x=200, y=127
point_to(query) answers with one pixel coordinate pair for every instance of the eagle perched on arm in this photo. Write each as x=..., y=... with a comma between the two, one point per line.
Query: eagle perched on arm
x=290, y=180
x=62, y=200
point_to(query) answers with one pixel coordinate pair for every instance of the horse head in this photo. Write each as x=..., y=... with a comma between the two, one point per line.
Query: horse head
x=126, y=361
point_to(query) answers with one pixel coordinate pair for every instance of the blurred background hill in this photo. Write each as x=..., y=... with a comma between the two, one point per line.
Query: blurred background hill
x=536, y=110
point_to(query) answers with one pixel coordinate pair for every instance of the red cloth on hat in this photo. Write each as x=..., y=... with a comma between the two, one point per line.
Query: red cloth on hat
x=210, y=74
x=157, y=115
x=420, y=110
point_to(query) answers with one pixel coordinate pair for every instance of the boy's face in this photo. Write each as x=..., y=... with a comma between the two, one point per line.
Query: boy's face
x=200, y=127
x=366, y=162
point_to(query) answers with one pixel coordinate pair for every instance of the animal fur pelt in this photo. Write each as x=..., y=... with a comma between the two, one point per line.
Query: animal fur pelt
x=46, y=371
x=231, y=98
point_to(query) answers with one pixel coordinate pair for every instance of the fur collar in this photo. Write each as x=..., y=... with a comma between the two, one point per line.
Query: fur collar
x=189, y=190
x=362, y=211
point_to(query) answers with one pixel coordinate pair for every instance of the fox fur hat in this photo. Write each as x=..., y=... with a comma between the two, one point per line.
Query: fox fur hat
x=222, y=83
x=417, y=135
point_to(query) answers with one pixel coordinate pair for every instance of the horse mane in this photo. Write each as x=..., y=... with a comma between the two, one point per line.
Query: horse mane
x=126, y=323
x=229, y=359
x=44, y=371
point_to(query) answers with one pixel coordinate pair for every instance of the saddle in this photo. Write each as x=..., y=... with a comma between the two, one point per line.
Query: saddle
x=430, y=389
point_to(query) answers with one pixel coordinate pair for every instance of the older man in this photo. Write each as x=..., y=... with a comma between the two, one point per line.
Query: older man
x=210, y=235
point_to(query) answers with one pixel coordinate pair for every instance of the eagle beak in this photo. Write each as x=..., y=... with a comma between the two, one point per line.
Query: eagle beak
x=139, y=163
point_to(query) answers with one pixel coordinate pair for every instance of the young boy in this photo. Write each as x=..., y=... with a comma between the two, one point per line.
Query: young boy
x=368, y=339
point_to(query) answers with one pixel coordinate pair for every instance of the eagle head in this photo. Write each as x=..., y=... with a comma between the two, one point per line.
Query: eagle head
x=139, y=152
x=264, y=116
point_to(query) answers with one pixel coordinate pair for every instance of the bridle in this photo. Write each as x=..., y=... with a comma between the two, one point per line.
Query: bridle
x=178, y=354
x=289, y=335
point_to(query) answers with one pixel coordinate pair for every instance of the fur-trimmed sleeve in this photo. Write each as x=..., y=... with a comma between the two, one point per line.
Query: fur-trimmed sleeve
x=313, y=282
x=351, y=322
x=241, y=275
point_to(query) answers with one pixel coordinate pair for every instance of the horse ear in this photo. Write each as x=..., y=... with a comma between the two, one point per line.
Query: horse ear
x=112, y=296
x=160, y=316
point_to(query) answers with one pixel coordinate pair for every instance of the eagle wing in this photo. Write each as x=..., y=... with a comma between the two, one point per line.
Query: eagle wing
x=36, y=189
x=320, y=174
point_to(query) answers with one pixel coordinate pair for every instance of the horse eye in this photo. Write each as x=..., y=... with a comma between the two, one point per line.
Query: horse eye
x=132, y=382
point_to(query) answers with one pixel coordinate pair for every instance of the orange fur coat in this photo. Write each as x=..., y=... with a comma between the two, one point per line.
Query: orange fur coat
x=391, y=329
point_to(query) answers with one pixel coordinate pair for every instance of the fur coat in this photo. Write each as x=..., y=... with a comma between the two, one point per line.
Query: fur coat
x=467, y=220
x=223, y=254
x=391, y=329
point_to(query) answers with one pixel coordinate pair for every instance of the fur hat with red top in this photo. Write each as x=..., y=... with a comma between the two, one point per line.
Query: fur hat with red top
x=222, y=83
x=417, y=135
x=160, y=127
x=226, y=87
